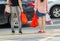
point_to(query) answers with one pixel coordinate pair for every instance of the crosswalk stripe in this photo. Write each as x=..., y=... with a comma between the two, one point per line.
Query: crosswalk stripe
x=44, y=39
x=54, y=25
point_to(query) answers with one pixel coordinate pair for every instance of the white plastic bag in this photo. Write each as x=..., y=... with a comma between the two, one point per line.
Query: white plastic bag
x=48, y=19
x=7, y=9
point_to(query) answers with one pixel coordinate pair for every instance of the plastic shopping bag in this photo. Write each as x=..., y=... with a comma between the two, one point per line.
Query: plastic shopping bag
x=34, y=22
x=7, y=9
x=48, y=19
x=24, y=19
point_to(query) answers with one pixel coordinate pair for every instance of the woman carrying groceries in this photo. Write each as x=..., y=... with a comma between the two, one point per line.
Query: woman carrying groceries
x=16, y=9
x=41, y=9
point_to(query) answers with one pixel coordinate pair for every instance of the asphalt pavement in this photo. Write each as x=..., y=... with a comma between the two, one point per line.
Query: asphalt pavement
x=31, y=34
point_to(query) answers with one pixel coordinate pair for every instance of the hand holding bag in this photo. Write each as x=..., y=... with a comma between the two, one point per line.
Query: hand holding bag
x=48, y=19
x=7, y=9
x=34, y=22
x=24, y=19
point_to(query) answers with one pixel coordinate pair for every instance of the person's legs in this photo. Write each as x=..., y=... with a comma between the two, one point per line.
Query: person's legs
x=12, y=27
x=40, y=23
x=44, y=22
x=19, y=21
x=12, y=21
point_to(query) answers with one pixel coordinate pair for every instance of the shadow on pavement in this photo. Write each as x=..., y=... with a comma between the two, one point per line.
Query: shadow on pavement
x=8, y=25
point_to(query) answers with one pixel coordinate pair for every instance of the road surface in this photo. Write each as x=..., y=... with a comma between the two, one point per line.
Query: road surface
x=30, y=34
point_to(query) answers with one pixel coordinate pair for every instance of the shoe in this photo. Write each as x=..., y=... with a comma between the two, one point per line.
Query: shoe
x=20, y=32
x=13, y=31
x=41, y=31
x=44, y=31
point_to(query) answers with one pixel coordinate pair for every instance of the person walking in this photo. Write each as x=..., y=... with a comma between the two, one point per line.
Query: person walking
x=16, y=9
x=41, y=9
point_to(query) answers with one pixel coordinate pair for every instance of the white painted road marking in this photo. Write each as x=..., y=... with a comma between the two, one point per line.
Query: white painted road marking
x=54, y=25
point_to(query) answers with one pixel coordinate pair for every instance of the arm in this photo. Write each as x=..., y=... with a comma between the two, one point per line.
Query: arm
x=20, y=5
x=35, y=8
x=8, y=2
x=46, y=6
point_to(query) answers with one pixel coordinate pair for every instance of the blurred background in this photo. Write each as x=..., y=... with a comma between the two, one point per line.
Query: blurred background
x=53, y=7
